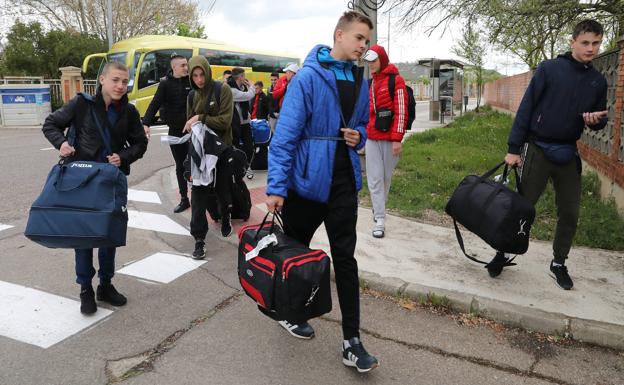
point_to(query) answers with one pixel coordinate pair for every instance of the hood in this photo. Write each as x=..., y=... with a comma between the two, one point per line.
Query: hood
x=202, y=62
x=389, y=70
x=328, y=67
x=577, y=64
x=383, y=56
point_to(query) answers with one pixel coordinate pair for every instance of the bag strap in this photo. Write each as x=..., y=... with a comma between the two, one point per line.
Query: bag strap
x=460, y=240
x=103, y=132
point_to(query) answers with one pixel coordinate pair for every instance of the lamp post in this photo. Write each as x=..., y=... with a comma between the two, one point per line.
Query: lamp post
x=109, y=22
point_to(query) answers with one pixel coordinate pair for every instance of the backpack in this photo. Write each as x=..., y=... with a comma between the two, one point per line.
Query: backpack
x=411, y=102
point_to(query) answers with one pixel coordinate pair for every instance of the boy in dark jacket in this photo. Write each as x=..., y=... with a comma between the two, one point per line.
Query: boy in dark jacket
x=122, y=122
x=171, y=96
x=260, y=103
x=565, y=95
x=314, y=168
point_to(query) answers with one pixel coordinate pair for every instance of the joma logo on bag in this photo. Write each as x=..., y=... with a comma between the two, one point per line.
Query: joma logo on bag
x=81, y=165
x=249, y=273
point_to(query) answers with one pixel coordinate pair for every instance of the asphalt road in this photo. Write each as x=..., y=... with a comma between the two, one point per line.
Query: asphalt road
x=199, y=328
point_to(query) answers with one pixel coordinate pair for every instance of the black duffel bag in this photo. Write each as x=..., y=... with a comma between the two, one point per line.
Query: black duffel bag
x=498, y=215
x=287, y=280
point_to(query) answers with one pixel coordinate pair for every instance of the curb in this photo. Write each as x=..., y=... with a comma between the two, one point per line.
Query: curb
x=582, y=330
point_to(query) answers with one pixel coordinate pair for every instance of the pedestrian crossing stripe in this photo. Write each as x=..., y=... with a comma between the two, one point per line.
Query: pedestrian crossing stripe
x=39, y=318
x=143, y=196
x=5, y=227
x=161, y=267
x=155, y=222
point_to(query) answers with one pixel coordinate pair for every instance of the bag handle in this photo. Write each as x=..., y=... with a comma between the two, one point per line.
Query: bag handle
x=59, y=181
x=460, y=240
x=279, y=221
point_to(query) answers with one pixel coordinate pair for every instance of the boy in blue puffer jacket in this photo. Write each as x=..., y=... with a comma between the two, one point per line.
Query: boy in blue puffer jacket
x=314, y=169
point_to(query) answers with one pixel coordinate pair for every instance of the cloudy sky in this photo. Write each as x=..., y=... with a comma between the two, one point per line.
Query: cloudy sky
x=295, y=26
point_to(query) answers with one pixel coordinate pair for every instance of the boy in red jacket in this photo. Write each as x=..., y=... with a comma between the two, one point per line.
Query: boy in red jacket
x=385, y=130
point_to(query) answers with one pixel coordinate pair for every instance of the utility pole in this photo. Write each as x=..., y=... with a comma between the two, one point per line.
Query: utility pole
x=109, y=23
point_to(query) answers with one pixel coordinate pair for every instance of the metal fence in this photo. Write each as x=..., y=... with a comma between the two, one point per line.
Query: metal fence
x=89, y=86
x=602, y=141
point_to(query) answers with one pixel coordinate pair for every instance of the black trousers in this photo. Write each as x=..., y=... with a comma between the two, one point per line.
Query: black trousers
x=201, y=197
x=243, y=133
x=179, y=152
x=302, y=217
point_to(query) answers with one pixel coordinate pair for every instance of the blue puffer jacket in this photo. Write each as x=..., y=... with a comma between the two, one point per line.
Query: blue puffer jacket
x=311, y=108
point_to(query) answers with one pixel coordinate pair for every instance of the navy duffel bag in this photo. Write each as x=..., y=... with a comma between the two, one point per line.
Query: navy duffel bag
x=82, y=206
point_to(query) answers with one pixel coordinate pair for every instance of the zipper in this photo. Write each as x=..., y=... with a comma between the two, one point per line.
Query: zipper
x=301, y=262
x=290, y=260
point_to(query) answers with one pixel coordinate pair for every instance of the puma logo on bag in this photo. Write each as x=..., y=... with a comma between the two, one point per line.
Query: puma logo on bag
x=522, y=224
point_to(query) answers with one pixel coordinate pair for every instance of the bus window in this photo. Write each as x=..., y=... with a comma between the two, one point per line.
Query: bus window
x=133, y=67
x=117, y=56
x=156, y=64
x=257, y=62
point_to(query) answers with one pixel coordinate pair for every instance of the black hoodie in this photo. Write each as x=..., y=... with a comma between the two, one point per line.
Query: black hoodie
x=551, y=110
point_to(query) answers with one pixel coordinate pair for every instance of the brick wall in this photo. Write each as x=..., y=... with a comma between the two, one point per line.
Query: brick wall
x=506, y=93
x=603, y=151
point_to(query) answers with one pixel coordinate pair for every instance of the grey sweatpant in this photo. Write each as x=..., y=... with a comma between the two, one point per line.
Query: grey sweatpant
x=379, y=166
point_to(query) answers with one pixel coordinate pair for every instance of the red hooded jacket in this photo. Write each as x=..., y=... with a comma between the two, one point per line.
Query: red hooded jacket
x=379, y=96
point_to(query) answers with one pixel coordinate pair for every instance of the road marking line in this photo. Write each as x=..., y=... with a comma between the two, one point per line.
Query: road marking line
x=161, y=267
x=47, y=149
x=143, y=196
x=155, y=222
x=39, y=318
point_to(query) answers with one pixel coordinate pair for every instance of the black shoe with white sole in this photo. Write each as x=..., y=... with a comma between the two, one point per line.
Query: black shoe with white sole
x=302, y=330
x=199, y=252
x=357, y=357
x=561, y=275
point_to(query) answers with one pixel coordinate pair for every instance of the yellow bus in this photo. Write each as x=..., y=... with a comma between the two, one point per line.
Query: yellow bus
x=148, y=58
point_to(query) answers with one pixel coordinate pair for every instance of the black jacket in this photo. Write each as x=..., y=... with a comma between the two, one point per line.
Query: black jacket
x=551, y=110
x=128, y=138
x=170, y=99
x=262, y=111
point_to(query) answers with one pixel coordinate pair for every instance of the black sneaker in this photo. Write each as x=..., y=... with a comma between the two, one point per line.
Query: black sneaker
x=87, y=301
x=561, y=276
x=226, y=226
x=357, y=357
x=496, y=265
x=302, y=330
x=199, y=252
x=106, y=292
x=183, y=205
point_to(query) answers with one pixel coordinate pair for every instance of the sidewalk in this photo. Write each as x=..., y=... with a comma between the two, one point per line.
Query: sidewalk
x=416, y=259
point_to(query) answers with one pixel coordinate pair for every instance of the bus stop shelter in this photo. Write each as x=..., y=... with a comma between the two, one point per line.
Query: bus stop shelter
x=447, y=79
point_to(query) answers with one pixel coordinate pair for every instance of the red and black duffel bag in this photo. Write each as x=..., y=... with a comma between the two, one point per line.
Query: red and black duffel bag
x=288, y=280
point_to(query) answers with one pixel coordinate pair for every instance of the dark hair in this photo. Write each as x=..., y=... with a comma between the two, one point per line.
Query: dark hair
x=587, y=26
x=237, y=71
x=227, y=72
x=259, y=83
x=352, y=17
x=275, y=74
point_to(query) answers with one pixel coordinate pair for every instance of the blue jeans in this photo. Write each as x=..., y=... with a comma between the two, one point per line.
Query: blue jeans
x=84, y=265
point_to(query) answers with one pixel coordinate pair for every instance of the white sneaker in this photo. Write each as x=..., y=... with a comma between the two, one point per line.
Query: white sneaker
x=380, y=228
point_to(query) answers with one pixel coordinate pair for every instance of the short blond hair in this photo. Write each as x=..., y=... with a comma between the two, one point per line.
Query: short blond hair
x=114, y=65
x=350, y=17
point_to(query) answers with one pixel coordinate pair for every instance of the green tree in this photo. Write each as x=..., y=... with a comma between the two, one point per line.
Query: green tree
x=532, y=30
x=185, y=30
x=472, y=48
x=31, y=51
